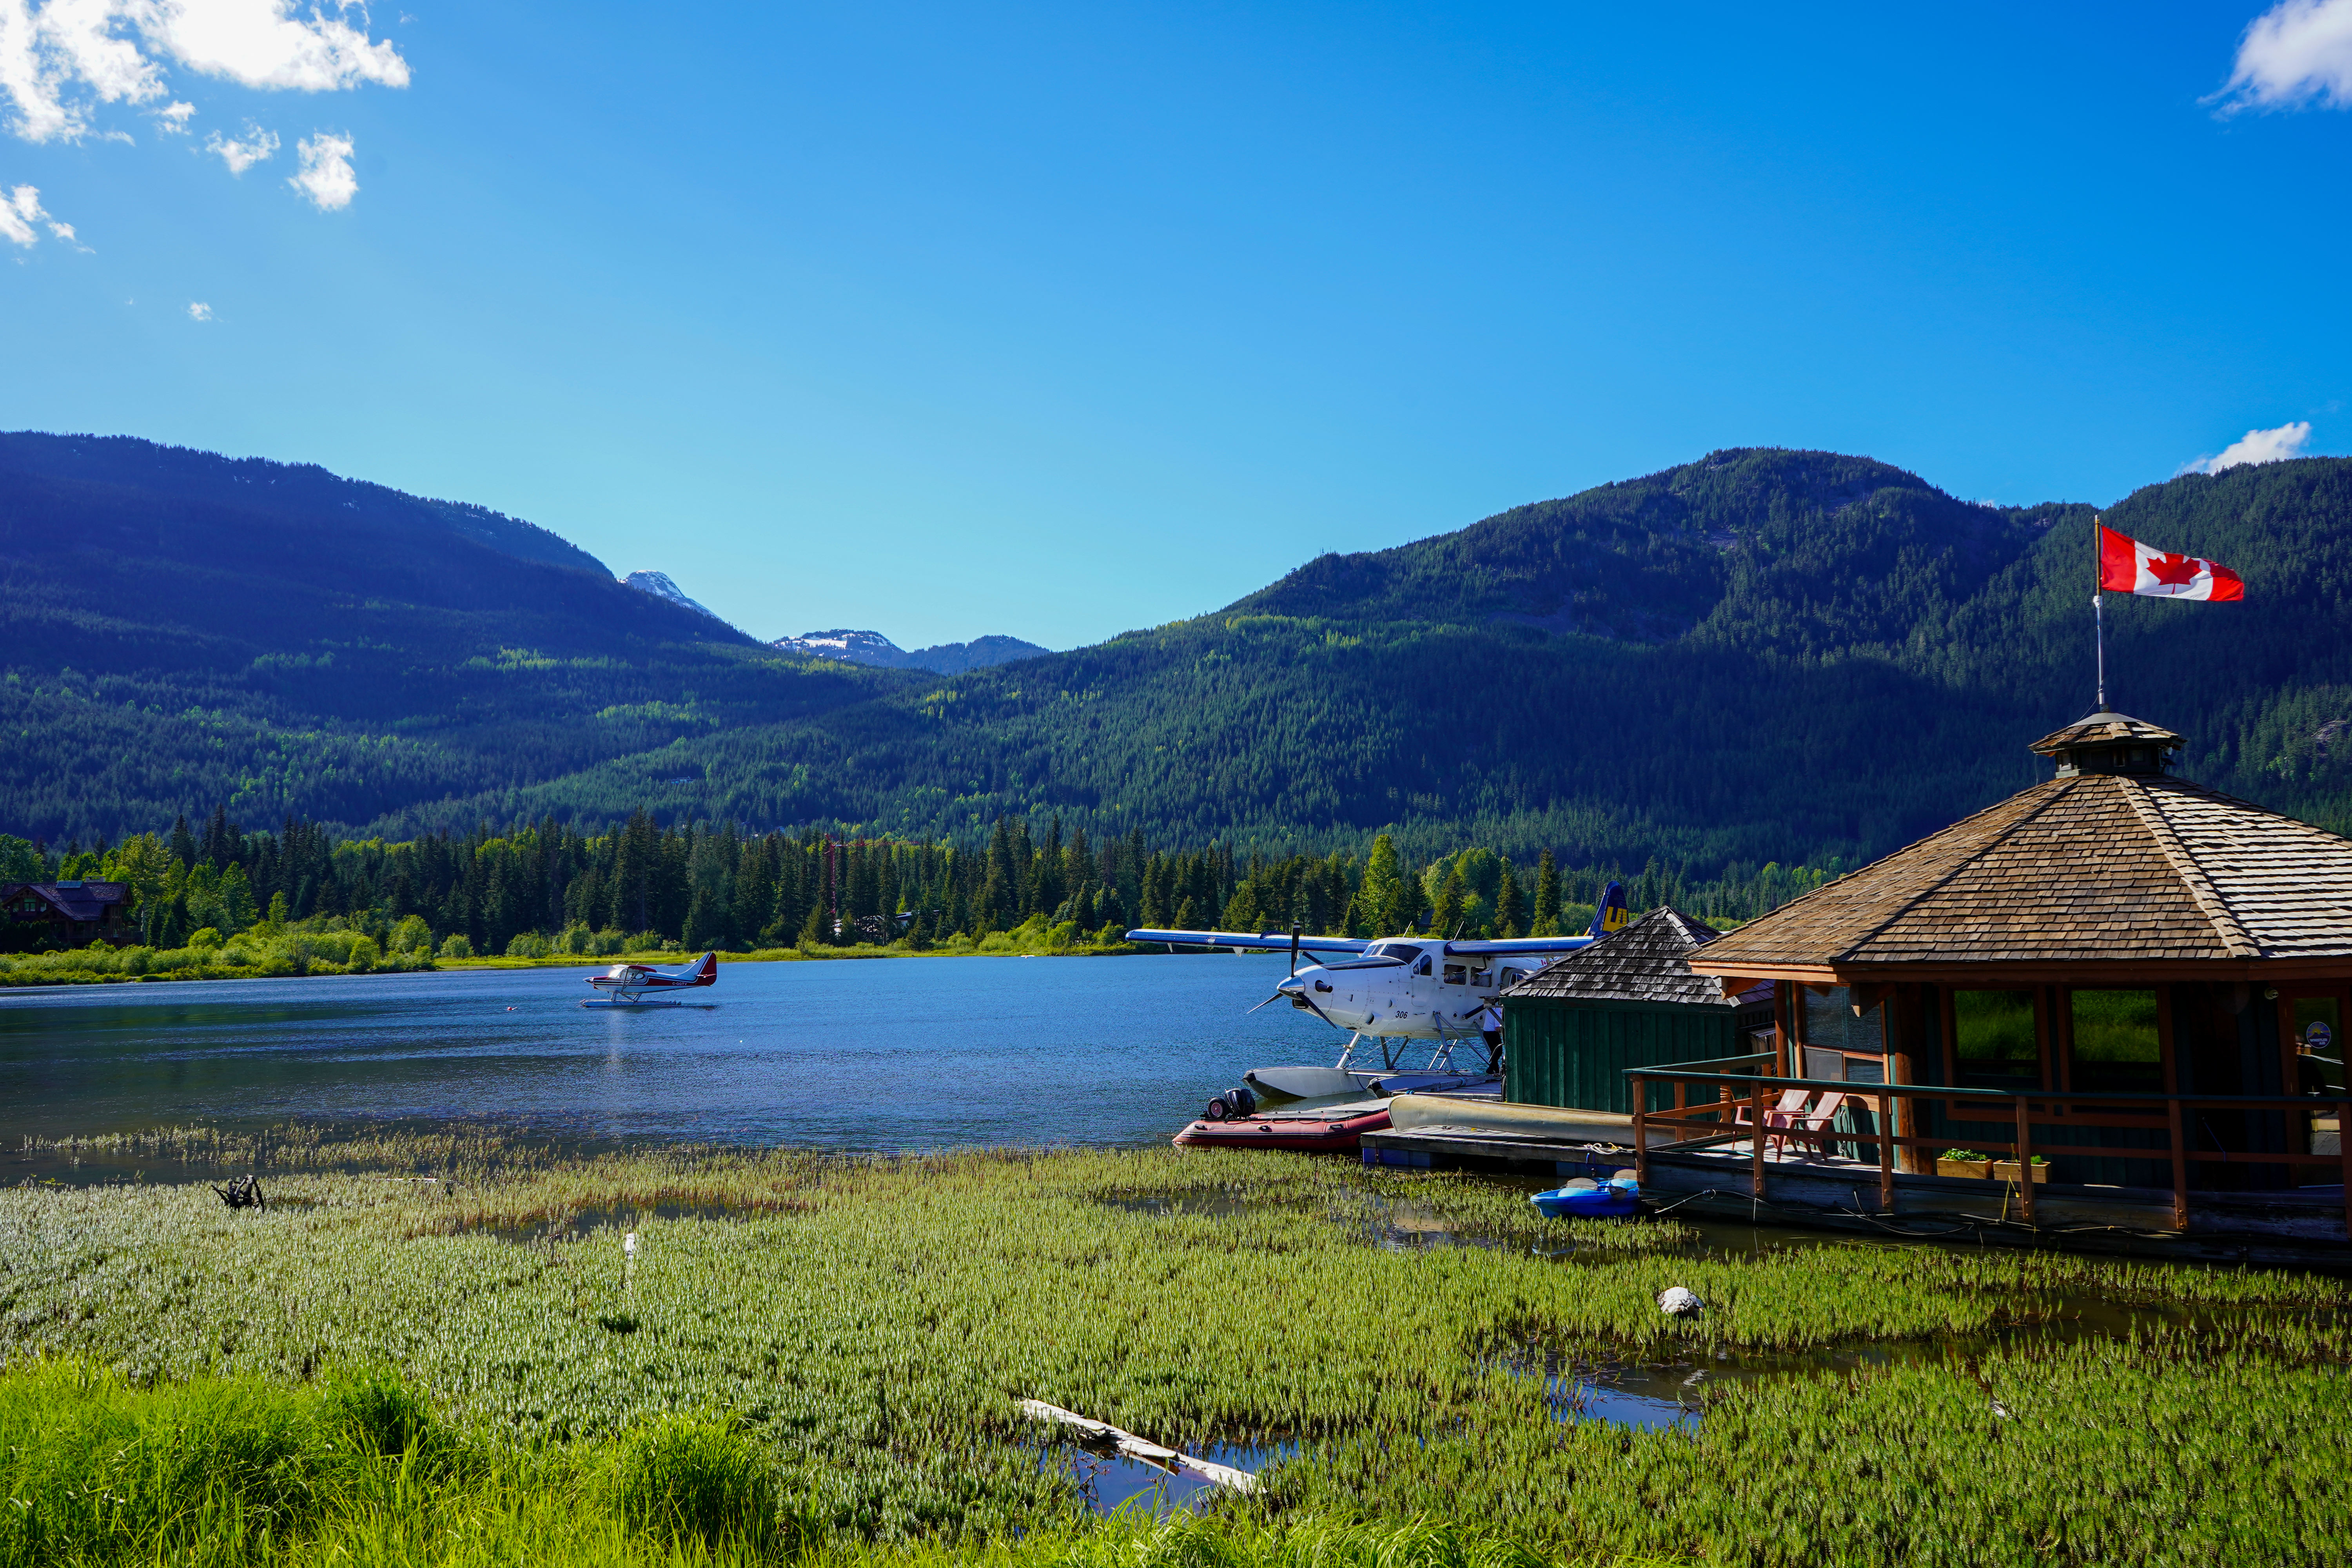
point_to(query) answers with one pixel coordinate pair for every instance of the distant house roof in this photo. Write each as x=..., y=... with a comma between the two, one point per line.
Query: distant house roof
x=1646, y=961
x=2087, y=866
x=85, y=901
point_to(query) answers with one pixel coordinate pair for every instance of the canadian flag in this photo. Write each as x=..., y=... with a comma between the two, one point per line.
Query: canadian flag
x=2127, y=566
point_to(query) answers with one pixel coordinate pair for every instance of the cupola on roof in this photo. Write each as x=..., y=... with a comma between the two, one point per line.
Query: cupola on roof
x=2108, y=743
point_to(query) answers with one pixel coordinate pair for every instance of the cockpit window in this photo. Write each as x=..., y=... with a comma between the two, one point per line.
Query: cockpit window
x=1402, y=951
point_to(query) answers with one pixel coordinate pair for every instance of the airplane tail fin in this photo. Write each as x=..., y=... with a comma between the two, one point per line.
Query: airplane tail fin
x=1609, y=914
x=707, y=971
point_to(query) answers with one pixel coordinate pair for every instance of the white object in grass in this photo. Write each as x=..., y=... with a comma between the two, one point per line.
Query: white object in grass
x=1675, y=1303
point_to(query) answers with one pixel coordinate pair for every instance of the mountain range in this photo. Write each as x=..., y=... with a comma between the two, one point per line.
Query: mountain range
x=1764, y=655
x=874, y=650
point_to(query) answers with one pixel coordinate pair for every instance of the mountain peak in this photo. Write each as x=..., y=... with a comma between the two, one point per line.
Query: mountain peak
x=659, y=584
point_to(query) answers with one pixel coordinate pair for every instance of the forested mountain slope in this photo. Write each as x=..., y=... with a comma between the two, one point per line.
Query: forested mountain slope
x=179, y=628
x=1763, y=656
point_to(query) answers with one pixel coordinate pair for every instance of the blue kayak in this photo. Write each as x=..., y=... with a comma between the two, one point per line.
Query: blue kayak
x=1586, y=1200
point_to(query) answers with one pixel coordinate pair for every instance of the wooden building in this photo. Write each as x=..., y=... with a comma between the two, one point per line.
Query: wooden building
x=2124, y=993
x=2132, y=981
x=71, y=914
x=1572, y=1029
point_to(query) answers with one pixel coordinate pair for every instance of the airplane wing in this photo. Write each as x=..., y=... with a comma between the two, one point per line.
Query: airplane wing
x=1278, y=940
x=1554, y=945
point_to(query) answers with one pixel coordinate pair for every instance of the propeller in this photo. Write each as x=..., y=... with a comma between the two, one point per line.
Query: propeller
x=1294, y=950
x=1294, y=996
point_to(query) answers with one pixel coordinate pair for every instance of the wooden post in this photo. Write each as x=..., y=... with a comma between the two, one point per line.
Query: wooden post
x=2179, y=1168
x=2025, y=1159
x=1640, y=1136
x=2344, y=1158
x=1756, y=1137
x=2173, y=1088
x=1887, y=1124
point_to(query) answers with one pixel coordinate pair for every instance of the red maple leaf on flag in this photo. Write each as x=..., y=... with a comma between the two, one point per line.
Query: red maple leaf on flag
x=2181, y=569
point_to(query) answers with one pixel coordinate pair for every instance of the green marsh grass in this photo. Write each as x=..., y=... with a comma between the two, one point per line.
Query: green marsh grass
x=841, y=1341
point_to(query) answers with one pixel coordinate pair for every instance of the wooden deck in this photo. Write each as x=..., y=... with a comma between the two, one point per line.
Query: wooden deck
x=2302, y=1228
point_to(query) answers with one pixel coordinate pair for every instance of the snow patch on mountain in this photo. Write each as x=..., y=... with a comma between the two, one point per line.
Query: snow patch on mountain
x=874, y=650
x=659, y=585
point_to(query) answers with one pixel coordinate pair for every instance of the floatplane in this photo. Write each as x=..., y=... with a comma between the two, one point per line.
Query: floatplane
x=627, y=983
x=1395, y=992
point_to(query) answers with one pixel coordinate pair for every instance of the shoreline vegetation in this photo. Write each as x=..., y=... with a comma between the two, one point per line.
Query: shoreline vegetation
x=435, y=1348
x=264, y=954
x=223, y=903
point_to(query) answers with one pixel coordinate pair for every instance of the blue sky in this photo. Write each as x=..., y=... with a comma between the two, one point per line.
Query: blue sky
x=1059, y=321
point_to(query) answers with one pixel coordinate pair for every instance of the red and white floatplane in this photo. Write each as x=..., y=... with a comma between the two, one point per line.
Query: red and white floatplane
x=630, y=984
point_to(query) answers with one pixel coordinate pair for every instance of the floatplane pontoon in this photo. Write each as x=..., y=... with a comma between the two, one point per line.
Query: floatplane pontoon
x=629, y=982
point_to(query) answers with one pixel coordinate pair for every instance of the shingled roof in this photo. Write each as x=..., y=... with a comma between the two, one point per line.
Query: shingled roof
x=2089, y=867
x=83, y=901
x=1646, y=961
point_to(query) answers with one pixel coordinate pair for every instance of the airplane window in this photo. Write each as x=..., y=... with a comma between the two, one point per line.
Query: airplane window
x=1424, y=967
x=1404, y=950
x=1483, y=977
x=1456, y=975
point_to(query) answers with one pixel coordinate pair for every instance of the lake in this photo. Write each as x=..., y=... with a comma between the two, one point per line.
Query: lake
x=891, y=1054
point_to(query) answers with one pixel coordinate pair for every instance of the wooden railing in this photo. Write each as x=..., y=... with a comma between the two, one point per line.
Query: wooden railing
x=1711, y=1122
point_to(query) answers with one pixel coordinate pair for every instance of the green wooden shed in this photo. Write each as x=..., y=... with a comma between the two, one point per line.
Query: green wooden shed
x=1629, y=1000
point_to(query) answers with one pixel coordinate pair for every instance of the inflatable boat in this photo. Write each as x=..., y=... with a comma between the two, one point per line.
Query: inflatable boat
x=1616, y=1198
x=1335, y=1128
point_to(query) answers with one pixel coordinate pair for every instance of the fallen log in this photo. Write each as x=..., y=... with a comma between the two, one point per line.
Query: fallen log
x=1131, y=1447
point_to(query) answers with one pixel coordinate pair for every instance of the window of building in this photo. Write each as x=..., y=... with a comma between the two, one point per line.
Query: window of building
x=1994, y=1044
x=1841, y=1043
x=2116, y=1049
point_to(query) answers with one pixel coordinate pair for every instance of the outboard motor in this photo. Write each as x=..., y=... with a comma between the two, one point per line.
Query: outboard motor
x=1232, y=1105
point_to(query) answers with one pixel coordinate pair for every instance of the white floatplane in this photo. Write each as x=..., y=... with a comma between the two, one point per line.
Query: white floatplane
x=629, y=982
x=1395, y=991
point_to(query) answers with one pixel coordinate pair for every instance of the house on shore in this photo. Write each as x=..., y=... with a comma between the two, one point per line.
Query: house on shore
x=71, y=914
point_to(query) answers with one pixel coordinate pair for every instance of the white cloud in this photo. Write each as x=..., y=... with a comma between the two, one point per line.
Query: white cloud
x=172, y=118
x=261, y=43
x=2257, y=447
x=60, y=59
x=258, y=145
x=326, y=174
x=199, y=312
x=2298, y=52
x=20, y=209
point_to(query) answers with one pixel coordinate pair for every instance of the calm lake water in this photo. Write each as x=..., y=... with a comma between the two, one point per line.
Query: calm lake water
x=891, y=1054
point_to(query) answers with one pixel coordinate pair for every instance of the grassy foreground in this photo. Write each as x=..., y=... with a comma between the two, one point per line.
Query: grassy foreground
x=819, y=1359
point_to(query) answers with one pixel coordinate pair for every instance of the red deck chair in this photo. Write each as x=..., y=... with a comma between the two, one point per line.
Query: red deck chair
x=1812, y=1128
x=1788, y=1113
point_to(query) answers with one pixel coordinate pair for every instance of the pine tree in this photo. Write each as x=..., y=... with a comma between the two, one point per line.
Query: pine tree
x=1509, y=912
x=1547, y=897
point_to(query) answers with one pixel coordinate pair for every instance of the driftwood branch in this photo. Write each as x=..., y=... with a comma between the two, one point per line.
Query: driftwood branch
x=1134, y=1447
x=243, y=1193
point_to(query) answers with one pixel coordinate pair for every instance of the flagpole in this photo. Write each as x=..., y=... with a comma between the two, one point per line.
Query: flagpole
x=2099, y=608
